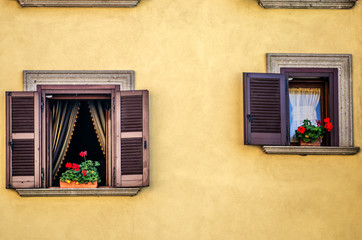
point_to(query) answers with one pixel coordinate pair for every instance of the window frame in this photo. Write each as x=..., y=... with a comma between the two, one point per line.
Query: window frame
x=75, y=92
x=332, y=98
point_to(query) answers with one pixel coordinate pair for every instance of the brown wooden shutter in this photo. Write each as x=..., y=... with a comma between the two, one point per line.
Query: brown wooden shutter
x=132, y=150
x=22, y=151
x=266, y=114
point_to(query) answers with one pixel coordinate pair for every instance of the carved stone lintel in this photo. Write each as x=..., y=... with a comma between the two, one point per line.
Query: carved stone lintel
x=308, y=4
x=79, y=3
x=123, y=78
x=300, y=150
x=77, y=192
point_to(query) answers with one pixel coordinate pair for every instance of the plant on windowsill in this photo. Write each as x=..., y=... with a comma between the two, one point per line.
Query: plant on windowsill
x=84, y=175
x=310, y=135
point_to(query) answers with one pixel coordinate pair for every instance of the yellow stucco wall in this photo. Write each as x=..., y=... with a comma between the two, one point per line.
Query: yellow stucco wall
x=205, y=184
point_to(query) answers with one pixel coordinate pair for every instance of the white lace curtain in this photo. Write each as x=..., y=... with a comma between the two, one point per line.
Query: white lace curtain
x=303, y=103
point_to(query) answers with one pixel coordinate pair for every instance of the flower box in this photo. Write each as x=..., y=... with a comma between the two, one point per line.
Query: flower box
x=302, y=143
x=75, y=184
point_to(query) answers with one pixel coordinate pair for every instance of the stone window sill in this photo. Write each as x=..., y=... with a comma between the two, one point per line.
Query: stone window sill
x=298, y=150
x=317, y=4
x=77, y=192
x=79, y=3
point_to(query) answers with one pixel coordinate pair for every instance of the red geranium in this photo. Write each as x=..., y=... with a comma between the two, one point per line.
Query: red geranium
x=75, y=167
x=83, y=153
x=84, y=172
x=68, y=165
x=301, y=129
x=327, y=120
x=319, y=123
x=328, y=126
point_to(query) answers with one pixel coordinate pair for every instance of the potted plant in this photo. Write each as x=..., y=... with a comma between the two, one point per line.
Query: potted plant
x=84, y=175
x=310, y=135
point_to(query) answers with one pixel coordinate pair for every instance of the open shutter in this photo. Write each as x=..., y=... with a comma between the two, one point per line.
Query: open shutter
x=132, y=166
x=266, y=111
x=22, y=151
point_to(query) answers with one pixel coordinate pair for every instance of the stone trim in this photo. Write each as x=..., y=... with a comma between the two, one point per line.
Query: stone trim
x=77, y=192
x=343, y=62
x=126, y=79
x=308, y=4
x=303, y=150
x=79, y=3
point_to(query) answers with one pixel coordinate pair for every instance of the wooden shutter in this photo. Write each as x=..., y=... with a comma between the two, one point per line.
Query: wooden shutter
x=22, y=138
x=132, y=149
x=266, y=114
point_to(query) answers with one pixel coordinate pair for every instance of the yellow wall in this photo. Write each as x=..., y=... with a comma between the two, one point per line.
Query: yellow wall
x=205, y=184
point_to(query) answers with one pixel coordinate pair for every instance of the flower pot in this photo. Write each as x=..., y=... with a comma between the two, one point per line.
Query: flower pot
x=74, y=184
x=302, y=143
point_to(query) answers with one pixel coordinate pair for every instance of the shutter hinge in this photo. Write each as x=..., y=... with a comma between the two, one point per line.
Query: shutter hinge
x=114, y=176
x=145, y=144
x=250, y=117
x=42, y=177
x=9, y=93
x=11, y=144
x=114, y=104
x=9, y=186
x=42, y=104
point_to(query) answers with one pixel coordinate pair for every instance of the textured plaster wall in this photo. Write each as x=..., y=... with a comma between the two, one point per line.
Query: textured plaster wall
x=205, y=184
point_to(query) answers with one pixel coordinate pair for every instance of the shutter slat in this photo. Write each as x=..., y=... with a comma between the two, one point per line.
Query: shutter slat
x=131, y=113
x=22, y=114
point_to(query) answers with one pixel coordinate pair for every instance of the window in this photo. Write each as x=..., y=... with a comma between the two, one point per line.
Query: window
x=34, y=156
x=79, y=3
x=276, y=104
x=343, y=62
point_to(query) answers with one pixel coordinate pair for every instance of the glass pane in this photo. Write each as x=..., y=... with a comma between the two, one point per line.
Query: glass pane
x=304, y=103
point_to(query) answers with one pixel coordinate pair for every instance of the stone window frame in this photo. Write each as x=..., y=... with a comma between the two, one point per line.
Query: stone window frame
x=307, y=4
x=343, y=62
x=80, y=3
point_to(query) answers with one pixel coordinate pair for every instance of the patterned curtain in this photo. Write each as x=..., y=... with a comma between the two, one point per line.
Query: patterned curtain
x=65, y=114
x=97, y=110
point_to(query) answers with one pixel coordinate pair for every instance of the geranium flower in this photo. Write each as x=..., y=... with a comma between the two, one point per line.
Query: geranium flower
x=75, y=167
x=319, y=123
x=68, y=165
x=84, y=172
x=83, y=153
x=328, y=126
x=327, y=120
x=301, y=129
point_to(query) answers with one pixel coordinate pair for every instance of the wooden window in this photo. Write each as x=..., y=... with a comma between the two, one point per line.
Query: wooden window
x=266, y=103
x=29, y=136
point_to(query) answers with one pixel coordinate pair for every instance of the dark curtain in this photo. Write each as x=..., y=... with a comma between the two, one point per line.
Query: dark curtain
x=65, y=114
x=97, y=110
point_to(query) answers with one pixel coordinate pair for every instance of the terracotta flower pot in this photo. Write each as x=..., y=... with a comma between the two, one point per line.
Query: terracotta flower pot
x=302, y=143
x=73, y=184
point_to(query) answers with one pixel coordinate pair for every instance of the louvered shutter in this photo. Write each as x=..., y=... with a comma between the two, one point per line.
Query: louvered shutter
x=132, y=150
x=22, y=151
x=266, y=114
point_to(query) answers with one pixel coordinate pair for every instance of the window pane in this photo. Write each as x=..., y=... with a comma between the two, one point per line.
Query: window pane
x=304, y=103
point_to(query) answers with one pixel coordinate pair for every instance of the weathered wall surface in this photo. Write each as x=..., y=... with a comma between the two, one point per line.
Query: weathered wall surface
x=205, y=184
